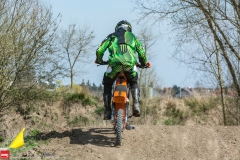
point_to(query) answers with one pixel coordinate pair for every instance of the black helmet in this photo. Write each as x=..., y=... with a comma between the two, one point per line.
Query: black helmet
x=125, y=25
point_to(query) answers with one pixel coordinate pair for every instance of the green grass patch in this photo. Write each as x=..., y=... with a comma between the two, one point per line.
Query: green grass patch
x=35, y=94
x=2, y=138
x=99, y=111
x=170, y=121
x=88, y=101
x=175, y=115
x=31, y=140
x=74, y=97
x=78, y=121
x=79, y=98
x=199, y=107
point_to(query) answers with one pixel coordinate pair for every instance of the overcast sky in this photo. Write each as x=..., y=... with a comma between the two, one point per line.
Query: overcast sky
x=102, y=16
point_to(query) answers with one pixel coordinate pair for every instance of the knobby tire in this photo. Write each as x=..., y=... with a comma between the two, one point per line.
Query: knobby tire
x=119, y=128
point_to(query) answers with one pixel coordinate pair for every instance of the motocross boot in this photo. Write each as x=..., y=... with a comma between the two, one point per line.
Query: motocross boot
x=107, y=105
x=136, y=108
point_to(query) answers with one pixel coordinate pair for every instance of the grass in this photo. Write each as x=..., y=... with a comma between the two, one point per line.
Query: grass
x=200, y=106
x=99, y=111
x=175, y=111
x=78, y=120
x=74, y=97
x=31, y=140
x=155, y=112
x=2, y=138
x=174, y=114
x=192, y=107
x=79, y=97
x=88, y=101
x=169, y=121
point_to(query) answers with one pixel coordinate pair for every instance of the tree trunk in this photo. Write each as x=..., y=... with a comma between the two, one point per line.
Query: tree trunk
x=221, y=86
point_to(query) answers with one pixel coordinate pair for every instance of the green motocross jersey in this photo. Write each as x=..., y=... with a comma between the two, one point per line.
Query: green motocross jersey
x=122, y=46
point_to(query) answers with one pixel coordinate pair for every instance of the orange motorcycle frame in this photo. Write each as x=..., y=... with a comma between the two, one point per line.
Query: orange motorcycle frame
x=120, y=102
x=120, y=98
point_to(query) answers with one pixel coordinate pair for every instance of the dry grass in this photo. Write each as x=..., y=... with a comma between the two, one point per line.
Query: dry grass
x=155, y=111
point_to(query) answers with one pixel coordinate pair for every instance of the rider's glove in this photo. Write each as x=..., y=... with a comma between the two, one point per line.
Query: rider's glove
x=99, y=62
x=148, y=64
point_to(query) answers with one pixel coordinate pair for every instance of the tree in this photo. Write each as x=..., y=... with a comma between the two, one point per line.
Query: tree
x=76, y=48
x=88, y=84
x=83, y=83
x=100, y=87
x=175, y=89
x=147, y=77
x=94, y=87
x=27, y=34
x=207, y=38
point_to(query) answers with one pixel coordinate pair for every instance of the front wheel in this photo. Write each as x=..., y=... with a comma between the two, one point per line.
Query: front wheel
x=119, y=127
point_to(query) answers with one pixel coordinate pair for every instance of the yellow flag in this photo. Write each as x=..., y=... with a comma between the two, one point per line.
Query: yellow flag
x=18, y=141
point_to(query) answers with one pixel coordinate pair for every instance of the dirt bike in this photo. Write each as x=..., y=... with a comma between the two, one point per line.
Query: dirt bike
x=120, y=103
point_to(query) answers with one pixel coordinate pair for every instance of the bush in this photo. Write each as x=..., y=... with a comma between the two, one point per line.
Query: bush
x=75, y=97
x=201, y=106
x=35, y=94
x=27, y=109
x=88, y=101
x=1, y=138
x=62, y=89
x=79, y=97
x=26, y=96
x=32, y=135
x=175, y=115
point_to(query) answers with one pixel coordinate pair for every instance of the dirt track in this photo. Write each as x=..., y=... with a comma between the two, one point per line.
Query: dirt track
x=145, y=142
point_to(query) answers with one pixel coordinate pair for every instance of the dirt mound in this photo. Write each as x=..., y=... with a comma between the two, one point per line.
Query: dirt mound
x=72, y=133
x=145, y=142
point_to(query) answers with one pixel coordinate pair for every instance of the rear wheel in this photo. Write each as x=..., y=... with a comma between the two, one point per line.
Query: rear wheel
x=119, y=127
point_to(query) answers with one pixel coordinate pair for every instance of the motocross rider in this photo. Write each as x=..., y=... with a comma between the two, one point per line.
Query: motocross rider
x=122, y=46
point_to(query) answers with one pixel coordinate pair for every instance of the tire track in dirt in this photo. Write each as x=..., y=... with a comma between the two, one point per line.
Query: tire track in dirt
x=146, y=142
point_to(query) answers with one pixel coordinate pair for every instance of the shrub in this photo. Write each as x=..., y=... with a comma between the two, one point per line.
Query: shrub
x=88, y=101
x=26, y=110
x=33, y=135
x=79, y=97
x=1, y=138
x=76, y=88
x=200, y=106
x=62, y=89
x=175, y=115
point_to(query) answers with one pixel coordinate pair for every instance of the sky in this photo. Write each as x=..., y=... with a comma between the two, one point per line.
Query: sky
x=102, y=17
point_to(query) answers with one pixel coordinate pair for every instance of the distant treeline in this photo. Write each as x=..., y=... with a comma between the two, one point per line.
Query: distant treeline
x=91, y=86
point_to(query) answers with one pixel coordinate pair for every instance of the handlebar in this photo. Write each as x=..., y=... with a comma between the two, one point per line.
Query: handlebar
x=102, y=63
x=148, y=65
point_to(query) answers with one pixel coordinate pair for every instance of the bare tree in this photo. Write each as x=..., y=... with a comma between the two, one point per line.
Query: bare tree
x=147, y=77
x=27, y=33
x=207, y=36
x=76, y=48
